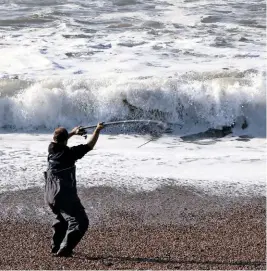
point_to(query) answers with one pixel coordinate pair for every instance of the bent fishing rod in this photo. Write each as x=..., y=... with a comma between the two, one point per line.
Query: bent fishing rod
x=163, y=125
x=159, y=123
x=113, y=123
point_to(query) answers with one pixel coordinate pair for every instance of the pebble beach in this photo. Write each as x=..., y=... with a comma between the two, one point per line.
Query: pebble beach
x=189, y=194
x=168, y=228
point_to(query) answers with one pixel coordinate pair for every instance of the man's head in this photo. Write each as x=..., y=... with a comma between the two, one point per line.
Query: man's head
x=61, y=135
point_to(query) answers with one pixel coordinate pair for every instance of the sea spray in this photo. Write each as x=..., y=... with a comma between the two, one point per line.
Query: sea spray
x=189, y=99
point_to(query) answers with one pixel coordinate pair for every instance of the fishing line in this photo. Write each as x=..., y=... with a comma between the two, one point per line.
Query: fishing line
x=152, y=139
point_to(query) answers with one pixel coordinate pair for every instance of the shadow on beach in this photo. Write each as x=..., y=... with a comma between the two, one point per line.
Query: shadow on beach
x=109, y=261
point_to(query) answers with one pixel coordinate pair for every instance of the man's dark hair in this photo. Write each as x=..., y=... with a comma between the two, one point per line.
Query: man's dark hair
x=60, y=135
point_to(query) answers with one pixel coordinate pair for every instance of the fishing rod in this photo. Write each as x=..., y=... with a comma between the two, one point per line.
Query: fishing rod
x=166, y=125
x=161, y=124
x=106, y=124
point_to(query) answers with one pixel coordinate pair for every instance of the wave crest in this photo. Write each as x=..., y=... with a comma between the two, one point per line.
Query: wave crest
x=190, y=99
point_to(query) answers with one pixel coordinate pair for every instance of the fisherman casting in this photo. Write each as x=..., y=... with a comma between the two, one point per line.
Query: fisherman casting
x=71, y=221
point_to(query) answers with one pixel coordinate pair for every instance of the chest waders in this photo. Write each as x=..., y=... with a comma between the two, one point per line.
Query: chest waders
x=70, y=219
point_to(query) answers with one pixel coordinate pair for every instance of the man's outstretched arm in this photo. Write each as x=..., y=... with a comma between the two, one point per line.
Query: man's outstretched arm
x=77, y=131
x=79, y=151
x=92, y=141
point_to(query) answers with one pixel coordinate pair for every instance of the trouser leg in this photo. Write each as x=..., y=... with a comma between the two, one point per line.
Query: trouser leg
x=60, y=227
x=77, y=225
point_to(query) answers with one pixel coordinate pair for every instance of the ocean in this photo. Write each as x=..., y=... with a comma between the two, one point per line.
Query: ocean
x=193, y=64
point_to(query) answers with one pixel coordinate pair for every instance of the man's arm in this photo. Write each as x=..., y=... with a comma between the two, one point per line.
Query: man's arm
x=80, y=131
x=92, y=141
x=79, y=151
x=77, y=131
x=72, y=133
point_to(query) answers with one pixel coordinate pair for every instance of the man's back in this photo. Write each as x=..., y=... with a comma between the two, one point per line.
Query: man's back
x=61, y=157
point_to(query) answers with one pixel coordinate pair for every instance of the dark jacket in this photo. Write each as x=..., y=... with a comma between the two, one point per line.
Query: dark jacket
x=60, y=185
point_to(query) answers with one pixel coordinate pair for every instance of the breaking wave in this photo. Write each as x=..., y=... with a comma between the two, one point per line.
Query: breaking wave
x=191, y=99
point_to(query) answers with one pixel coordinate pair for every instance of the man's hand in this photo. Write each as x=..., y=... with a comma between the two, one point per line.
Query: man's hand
x=100, y=126
x=91, y=143
x=77, y=131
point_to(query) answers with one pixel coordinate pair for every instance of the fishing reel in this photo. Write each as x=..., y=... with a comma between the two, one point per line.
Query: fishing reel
x=82, y=132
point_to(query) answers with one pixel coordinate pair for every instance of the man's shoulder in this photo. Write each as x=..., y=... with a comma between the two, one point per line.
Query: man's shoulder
x=80, y=147
x=51, y=146
x=79, y=150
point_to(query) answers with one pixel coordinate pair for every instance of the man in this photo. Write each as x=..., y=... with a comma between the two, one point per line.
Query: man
x=61, y=192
